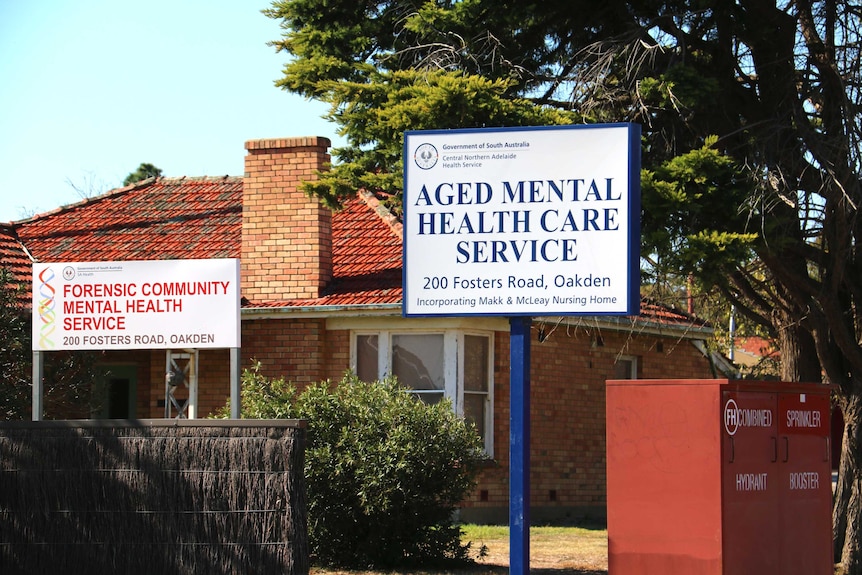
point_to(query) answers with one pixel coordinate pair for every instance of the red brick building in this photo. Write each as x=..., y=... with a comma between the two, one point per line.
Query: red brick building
x=321, y=294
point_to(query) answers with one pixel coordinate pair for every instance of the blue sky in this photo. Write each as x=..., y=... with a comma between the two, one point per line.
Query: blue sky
x=89, y=89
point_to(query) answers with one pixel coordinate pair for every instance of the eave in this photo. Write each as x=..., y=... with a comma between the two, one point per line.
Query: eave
x=636, y=324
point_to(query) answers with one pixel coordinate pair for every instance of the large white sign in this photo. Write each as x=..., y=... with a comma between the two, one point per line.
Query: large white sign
x=160, y=304
x=529, y=221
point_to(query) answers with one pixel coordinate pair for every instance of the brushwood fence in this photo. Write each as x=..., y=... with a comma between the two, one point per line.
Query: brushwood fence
x=153, y=497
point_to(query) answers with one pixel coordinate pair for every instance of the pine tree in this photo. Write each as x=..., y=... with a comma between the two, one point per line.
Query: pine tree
x=751, y=141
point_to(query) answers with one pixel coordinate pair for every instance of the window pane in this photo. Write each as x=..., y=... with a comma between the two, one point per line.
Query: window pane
x=366, y=358
x=475, y=363
x=429, y=397
x=417, y=360
x=474, y=410
x=624, y=369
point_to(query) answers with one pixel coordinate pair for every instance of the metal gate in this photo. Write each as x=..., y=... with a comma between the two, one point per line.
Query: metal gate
x=181, y=384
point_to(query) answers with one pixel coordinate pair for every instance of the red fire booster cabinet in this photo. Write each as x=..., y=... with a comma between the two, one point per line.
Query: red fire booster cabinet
x=718, y=477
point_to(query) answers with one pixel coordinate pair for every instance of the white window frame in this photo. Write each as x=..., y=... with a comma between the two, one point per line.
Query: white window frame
x=634, y=363
x=453, y=366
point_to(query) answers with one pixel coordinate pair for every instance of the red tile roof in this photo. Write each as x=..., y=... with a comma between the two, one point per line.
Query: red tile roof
x=164, y=218
x=199, y=218
x=175, y=218
x=756, y=346
x=661, y=314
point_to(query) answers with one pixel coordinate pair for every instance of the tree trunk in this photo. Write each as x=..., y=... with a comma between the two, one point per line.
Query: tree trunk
x=798, y=351
x=847, y=527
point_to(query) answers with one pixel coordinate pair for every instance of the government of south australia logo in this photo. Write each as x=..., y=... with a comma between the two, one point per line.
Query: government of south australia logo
x=426, y=156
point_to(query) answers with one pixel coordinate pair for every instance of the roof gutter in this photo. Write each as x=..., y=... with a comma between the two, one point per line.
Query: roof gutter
x=319, y=311
x=616, y=323
x=636, y=324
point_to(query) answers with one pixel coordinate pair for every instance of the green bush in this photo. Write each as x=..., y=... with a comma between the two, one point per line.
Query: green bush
x=384, y=471
x=70, y=376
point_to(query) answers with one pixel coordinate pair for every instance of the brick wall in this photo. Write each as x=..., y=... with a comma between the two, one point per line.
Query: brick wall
x=567, y=413
x=300, y=350
x=213, y=380
x=286, y=236
x=295, y=349
x=569, y=370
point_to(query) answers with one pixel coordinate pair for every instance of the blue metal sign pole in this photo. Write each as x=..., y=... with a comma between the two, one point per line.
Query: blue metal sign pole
x=519, y=445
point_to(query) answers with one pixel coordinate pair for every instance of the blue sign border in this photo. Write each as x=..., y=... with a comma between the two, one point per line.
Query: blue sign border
x=634, y=207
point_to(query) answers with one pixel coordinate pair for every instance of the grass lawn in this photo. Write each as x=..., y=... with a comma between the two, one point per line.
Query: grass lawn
x=553, y=551
x=558, y=550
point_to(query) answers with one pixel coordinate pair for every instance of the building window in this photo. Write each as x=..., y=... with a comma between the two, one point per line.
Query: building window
x=366, y=367
x=449, y=363
x=477, y=381
x=417, y=362
x=626, y=367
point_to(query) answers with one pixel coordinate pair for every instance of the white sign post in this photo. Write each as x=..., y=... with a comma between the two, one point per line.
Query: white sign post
x=160, y=304
x=529, y=221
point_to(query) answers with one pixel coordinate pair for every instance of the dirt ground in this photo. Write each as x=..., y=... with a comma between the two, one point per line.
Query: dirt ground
x=583, y=554
x=555, y=552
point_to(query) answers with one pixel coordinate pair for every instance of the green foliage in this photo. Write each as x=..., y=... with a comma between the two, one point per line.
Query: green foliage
x=695, y=216
x=71, y=385
x=384, y=471
x=143, y=172
x=358, y=57
x=70, y=377
x=374, y=116
x=263, y=397
x=767, y=211
x=681, y=87
x=14, y=350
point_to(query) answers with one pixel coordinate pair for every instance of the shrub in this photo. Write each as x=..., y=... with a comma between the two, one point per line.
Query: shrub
x=384, y=471
x=70, y=376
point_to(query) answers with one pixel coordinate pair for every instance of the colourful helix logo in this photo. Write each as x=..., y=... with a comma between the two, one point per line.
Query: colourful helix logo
x=46, y=308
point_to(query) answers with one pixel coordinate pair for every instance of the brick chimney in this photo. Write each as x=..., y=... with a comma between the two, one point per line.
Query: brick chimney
x=286, y=236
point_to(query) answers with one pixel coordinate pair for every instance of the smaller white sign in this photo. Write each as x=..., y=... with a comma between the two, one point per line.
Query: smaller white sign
x=159, y=304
